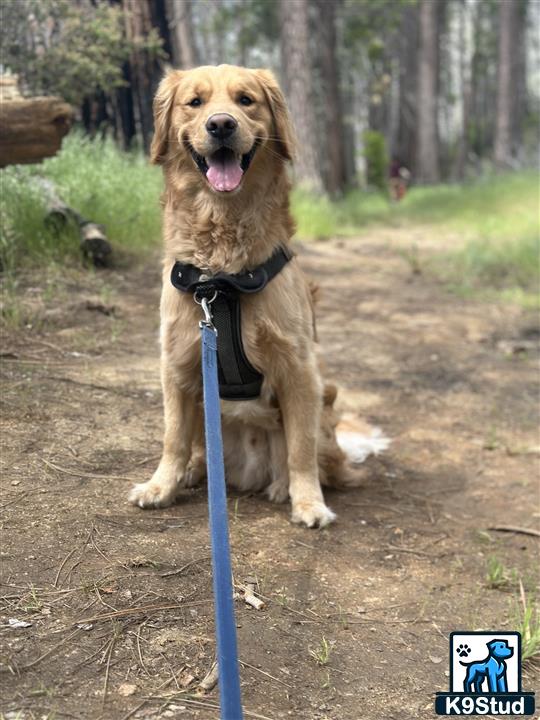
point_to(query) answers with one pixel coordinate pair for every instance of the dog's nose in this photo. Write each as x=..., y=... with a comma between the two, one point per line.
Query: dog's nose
x=221, y=125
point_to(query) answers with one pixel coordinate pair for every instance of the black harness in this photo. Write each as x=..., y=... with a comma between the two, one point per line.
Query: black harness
x=238, y=379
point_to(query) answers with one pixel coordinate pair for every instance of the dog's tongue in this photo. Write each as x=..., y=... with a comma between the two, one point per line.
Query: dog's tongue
x=224, y=171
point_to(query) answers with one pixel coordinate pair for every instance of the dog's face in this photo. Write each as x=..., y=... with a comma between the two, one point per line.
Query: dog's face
x=219, y=124
x=500, y=649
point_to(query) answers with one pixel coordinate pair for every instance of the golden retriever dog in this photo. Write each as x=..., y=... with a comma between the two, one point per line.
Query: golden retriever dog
x=224, y=139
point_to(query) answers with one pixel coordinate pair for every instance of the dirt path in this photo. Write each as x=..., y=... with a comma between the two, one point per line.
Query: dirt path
x=119, y=600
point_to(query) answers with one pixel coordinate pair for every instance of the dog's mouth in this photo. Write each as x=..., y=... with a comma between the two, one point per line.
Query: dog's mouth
x=224, y=169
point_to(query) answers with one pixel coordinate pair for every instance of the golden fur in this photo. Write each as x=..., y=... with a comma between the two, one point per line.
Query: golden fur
x=277, y=442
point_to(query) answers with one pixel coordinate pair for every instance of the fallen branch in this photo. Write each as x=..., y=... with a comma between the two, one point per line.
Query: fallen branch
x=70, y=553
x=138, y=610
x=50, y=652
x=247, y=593
x=107, y=671
x=263, y=672
x=210, y=680
x=517, y=530
x=91, y=476
x=184, y=567
x=412, y=551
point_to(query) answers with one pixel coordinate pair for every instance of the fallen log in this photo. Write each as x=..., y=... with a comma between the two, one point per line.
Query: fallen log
x=32, y=128
x=93, y=241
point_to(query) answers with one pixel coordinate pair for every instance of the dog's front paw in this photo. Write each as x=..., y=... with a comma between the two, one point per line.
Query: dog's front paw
x=159, y=491
x=312, y=513
x=152, y=494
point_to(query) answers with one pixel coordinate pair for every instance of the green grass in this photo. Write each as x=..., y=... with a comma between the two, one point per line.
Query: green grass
x=499, y=577
x=494, y=223
x=492, y=207
x=93, y=176
x=322, y=652
x=528, y=624
x=319, y=217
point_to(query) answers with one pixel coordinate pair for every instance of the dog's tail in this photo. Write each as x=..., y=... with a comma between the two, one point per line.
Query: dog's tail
x=358, y=440
x=346, y=442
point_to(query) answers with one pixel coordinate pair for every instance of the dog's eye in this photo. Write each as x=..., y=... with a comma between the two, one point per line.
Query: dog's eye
x=196, y=102
x=245, y=100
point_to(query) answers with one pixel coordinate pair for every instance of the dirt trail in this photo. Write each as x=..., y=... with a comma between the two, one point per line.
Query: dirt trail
x=453, y=382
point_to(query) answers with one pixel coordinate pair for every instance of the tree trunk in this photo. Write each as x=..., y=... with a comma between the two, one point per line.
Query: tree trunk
x=124, y=97
x=503, y=124
x=144, y=70
x=405, y=146
x=180, y=19
x=298, y=87
x=466, y=94
x=511, y=18
x=520, y=101
x=335, y=180
x=427, y=151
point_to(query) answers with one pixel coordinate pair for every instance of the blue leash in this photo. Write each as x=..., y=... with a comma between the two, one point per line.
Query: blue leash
x=227, y=654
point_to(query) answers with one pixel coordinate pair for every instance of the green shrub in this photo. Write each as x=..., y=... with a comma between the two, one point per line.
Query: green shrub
x=493, y=223
x=376, y=160
x=101, y=182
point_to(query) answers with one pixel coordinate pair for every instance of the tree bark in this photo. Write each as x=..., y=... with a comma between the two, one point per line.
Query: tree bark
x=405, y=146
x=509, y=59
x=466, y=94
x=335, y=177
x=520, y=101
x=180, y=19
x=503, y=124
x=124, y=97
x=427, y=154
x=144, y=70
x=298, y=87
x=32, y=129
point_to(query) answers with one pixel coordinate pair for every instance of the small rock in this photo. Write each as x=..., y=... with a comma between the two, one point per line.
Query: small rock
x=85, y=626
x=14, y=623
x=186, y=678
x=435, y=659
x=127, y=689
x=15, y=482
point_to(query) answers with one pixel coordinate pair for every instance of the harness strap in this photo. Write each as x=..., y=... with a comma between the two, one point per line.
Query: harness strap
x=238, y=379
x=190, y=278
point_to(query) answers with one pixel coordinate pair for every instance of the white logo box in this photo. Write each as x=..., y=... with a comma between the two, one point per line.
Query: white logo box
x=477, y=642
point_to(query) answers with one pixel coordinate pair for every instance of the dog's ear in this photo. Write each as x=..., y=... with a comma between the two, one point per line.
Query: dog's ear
x=163, y=104
x=285, y=139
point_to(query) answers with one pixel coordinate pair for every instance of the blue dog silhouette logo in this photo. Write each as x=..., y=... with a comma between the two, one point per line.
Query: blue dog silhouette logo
x=485, y=676
x=492, y=669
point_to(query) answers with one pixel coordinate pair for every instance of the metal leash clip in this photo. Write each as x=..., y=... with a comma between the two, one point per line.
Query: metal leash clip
x=205, y=303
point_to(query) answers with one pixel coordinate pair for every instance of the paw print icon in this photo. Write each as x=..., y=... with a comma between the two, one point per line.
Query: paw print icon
x=463, y=650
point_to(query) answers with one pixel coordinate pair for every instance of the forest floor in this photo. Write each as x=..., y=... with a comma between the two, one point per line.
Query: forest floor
x=357, y=616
